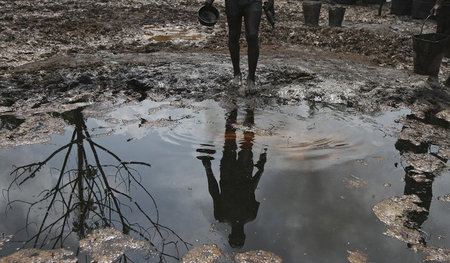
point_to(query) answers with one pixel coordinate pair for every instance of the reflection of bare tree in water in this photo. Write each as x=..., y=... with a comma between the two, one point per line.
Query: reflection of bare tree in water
x=90, y=195
x=234, y=201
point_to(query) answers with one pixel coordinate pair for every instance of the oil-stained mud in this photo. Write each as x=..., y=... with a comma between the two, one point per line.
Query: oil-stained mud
x=36, y=255
x=396, y=214
x=357, y=257
x=435, y=254
x=355, y=182
x=320, y=64
x=445, y=198
x=108, y=244
x=202, y=254
x=65, y=83
x=71, y=79
x=258, y=256
x=4, y=238
x=32, y=30
x=212, y=254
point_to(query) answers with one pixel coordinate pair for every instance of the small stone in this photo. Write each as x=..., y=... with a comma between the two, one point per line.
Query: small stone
x=445, y=198
x=357, y=257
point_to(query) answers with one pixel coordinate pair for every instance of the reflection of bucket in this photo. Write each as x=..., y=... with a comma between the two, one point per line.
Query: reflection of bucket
x=335, y=15
x=443, y=24
x=428, y=53
x=311, y=12
x=401, y=7
x=421, y=8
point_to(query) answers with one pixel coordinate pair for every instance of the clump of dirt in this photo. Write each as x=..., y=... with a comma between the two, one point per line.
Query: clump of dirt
x=357, y=257
x=258, y=256
x=207, y=253
x=4, y=238
x=37, y=255
x=108, y=244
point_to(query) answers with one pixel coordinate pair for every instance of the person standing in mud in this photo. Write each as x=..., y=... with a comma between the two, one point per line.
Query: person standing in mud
x=234, y=201
x=251, y=11
x=442, y=11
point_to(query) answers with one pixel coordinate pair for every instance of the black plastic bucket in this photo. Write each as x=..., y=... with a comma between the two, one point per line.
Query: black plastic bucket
x=401, y=7
x=335, y=16
x=428, y=53
x=421, y=8
x=208, y=15
x=311, y=12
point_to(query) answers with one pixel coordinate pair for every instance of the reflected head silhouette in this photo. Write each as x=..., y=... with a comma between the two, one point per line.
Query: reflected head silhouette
x=237, y=237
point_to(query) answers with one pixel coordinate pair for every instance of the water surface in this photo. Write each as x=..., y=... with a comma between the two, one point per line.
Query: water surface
x=299, y=181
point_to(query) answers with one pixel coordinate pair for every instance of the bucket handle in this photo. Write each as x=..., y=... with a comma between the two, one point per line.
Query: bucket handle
x=425, y=20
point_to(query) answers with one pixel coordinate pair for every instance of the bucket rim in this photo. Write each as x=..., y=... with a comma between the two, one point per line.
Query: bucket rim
x=312, y=3
x=208, y=8
x=336, y=8
x=441, y=37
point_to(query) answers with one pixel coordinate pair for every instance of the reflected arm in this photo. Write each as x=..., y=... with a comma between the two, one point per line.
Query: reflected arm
x=260, y=166
x=213, y=187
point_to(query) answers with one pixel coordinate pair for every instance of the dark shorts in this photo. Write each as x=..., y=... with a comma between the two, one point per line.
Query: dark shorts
x=235, y=8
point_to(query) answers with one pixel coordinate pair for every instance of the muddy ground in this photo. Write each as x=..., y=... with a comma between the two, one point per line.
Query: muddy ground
x=64, y=30
x=56, y=55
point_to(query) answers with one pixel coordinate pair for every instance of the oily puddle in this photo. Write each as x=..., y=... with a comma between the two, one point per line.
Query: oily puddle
x=296, y=181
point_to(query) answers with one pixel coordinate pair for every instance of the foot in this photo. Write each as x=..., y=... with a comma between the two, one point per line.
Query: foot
x=251, y=87
x=236, y=82
x=433, y=81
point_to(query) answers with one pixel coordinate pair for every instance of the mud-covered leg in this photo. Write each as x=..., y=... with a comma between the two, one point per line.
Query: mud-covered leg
x=234, y=31
x=380, y=9
x=252, y=17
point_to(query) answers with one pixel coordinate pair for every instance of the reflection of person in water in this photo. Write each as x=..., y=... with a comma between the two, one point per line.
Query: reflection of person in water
x=234, y=201
x=423, y=189
x=417, y=183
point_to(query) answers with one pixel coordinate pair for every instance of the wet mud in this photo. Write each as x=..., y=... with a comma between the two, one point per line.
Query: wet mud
x=107, y=245
x=58, y=56
x=36, y=255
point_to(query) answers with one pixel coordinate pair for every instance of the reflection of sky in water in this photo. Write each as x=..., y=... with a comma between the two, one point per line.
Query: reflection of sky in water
x=307, y=210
